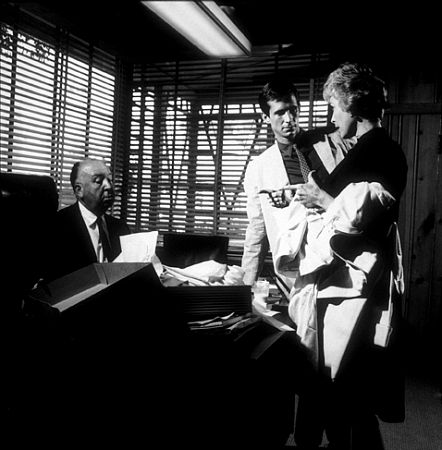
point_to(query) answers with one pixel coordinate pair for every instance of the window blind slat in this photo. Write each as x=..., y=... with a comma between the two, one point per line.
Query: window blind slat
x=194, y=129
x=57, y=102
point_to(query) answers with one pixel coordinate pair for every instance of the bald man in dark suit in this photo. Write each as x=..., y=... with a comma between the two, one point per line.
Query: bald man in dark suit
x=83, y=233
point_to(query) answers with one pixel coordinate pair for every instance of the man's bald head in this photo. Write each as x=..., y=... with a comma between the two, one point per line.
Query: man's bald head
x=91, y=180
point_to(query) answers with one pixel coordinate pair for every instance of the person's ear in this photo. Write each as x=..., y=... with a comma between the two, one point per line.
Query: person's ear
x=265, y=118
x=78, y=190
x=356, y=117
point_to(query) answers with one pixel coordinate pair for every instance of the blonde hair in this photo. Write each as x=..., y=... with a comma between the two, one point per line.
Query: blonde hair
x=357, y=90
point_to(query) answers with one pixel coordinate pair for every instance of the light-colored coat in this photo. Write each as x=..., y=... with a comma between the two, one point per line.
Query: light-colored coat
x=306, y=247
x=267, y=171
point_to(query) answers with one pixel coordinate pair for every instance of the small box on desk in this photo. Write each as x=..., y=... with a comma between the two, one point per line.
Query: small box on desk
x=110, y=301
x=83, y=285
x=205, y=302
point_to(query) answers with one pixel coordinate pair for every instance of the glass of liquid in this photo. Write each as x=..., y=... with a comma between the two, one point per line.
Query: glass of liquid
x=260, y=289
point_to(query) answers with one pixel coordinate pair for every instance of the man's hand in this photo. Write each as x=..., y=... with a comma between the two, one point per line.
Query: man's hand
x=308, y=194
x=280, y=198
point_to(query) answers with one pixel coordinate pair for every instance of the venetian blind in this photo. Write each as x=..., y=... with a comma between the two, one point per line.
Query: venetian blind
x=195, y=127
x=57, y=103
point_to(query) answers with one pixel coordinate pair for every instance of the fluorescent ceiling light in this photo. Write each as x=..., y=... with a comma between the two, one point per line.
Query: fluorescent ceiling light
x=204, y=24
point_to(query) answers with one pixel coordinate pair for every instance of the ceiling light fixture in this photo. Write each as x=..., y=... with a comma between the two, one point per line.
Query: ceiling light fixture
x=204, y=24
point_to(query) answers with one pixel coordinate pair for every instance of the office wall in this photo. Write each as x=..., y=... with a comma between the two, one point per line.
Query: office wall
x=414, y=120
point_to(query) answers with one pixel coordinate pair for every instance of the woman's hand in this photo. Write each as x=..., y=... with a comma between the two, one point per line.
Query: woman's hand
x=311, y=196
x=308, y=194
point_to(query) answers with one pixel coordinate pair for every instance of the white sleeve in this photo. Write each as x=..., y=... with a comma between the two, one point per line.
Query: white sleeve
x=256, y=244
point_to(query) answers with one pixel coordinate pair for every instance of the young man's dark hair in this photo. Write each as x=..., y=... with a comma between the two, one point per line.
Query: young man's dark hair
x=277, y=88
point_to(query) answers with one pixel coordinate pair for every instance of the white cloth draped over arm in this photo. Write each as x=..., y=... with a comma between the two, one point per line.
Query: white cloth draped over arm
x=352, y=211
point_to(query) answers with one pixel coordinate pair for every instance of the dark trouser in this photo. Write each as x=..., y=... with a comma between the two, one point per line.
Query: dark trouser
x=354, y=431
x=348, y=423
x=310, y=424
x=311, y=413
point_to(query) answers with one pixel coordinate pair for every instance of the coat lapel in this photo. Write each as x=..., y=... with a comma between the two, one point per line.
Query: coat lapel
x=83, y=233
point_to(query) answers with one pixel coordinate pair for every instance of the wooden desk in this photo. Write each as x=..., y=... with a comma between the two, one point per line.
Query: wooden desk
x=121, y=378
x=241, y=388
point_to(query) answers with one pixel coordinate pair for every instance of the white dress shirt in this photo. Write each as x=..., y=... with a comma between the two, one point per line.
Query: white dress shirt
x=90, y=219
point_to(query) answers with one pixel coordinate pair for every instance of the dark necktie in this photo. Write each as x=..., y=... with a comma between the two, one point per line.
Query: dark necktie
x=305, y=169
x=295, y=165
x=292, y=164
x=105, y=244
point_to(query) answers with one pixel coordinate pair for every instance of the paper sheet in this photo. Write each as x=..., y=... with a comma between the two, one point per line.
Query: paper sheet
x=260, y=308
x=208, y=273
x=138, y=247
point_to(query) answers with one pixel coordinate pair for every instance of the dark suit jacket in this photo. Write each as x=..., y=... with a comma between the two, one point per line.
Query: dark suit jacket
x=71, y=246
x=305, y=141
x=375, y=157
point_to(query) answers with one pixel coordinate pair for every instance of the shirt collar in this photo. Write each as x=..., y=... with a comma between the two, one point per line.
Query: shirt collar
x=285, y=149
x=89, y=217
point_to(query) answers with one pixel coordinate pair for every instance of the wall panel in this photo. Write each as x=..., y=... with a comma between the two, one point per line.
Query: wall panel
x=417, y=127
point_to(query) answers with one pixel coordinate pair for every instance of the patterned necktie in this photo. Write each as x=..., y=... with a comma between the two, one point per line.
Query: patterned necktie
x=305, y=169
x=105, y=244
